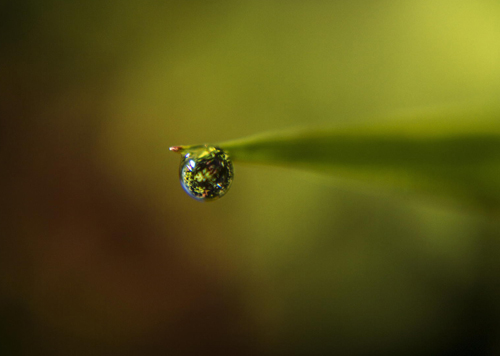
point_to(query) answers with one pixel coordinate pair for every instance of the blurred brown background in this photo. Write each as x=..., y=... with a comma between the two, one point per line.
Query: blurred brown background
x=102, y=253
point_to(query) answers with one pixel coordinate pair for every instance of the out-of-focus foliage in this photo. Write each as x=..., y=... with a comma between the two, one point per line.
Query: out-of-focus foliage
x=102, y=253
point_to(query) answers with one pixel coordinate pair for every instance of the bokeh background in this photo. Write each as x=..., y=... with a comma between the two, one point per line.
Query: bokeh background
x=102, y=253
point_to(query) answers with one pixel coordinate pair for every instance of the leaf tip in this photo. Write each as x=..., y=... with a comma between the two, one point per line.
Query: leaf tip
x=178, y=149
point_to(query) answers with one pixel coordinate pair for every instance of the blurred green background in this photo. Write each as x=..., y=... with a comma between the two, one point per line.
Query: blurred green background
x=102, y=253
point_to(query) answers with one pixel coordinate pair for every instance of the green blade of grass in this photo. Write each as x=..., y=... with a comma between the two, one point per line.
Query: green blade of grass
x=456, y=156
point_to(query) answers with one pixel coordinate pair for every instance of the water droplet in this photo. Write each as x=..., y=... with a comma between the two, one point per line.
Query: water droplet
x=206, y=172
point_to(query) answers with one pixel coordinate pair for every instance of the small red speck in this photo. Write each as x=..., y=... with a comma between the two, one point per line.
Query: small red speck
x=175, y=148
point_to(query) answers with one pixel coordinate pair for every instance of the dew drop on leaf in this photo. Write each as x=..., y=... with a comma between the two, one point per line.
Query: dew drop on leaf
x=206, y=172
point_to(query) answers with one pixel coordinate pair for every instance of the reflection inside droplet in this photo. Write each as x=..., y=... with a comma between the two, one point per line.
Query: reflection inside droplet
x=206, y=173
